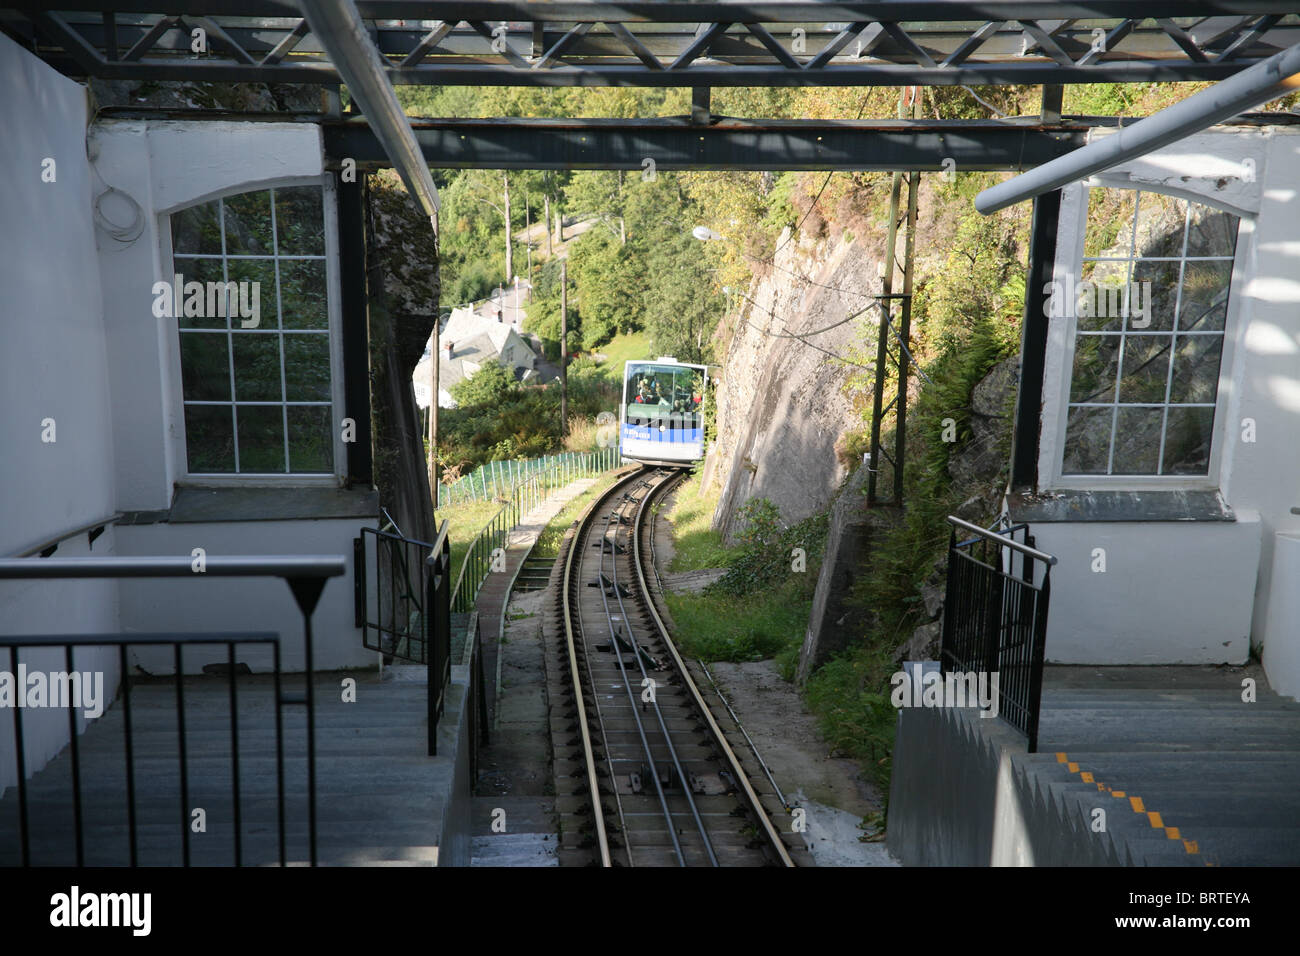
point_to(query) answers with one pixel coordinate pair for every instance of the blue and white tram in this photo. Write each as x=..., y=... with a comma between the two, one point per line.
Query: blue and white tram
x=662, y=417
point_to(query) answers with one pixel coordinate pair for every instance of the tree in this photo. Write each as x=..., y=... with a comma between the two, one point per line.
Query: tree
x=490, y=385
x=682, y=301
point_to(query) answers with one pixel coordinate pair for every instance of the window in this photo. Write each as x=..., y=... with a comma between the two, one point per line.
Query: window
x=664, y=395
x=253, y=319
x=1149, y=316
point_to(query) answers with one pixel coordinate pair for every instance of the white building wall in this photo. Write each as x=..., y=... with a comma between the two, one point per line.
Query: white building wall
x=243, y=604
x=52, y=366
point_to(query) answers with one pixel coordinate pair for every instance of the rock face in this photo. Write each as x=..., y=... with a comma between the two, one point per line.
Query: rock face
x=782, y=405
x=984, y=454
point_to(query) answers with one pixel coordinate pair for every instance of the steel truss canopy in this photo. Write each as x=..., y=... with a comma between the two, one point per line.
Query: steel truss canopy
x=667, y=43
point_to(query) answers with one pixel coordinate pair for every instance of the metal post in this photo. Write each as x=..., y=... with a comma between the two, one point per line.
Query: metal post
x=564, y=348
x=882, y=344
x=904, y=330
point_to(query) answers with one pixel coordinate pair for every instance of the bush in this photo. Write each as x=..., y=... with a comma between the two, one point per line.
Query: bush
x=766, y=554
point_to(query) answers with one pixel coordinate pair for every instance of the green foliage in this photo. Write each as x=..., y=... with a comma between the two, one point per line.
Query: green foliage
x=490, y=385
x=716, y=627
x=850, y=697
x=682, y=300
x=697, y=545
x=766, y=549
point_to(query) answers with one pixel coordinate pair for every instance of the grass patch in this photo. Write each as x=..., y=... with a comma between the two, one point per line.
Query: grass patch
x=620, y=349
x=849, y=696
x=724, y=627
x=465, y=521
x=698, y=545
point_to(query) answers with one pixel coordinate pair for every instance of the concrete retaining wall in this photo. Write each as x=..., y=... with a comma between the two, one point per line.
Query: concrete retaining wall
x=964, y=793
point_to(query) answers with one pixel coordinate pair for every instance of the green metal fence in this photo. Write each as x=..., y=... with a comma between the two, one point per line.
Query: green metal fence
x=497, y=478
x=486, y=552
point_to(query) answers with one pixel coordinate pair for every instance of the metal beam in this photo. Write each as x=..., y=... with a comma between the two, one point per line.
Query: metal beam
x=1274, y=77
x=341, y=32
x=671, y=44
x=726, y=144
x=688, y=11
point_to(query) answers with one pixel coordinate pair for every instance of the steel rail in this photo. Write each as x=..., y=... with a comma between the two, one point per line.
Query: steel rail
x=738, y=772
x=627, y=685
x=654, y=489
x=593, y=784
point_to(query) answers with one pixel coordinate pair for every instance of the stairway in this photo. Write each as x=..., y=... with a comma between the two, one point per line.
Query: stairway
x=1188, y=774
x=379, y=796
x=535, y=574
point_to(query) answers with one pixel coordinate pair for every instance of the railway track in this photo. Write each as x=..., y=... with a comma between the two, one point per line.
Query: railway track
x=646, y=774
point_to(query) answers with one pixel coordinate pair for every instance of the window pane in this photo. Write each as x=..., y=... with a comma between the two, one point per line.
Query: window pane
x=205, y=366
x=248, y=224
x=1087, y=441
x=1205, y=296
x=302, y=294
x=257, y=367
x=299, y=223
x=1160, y=225
x=261, y=437
x=1211, y=232
x=1187, y=441
x=256, y=293
x=1196, y=369
x=1112, y=211
x=204, y=271
x=307, y=367
x=1137, y=441
x=197, y=230
x=209, y=438
x=1099, y=289
x=1146, y=368
x=1096, y=358
x=1153, y=295
x=310, y=442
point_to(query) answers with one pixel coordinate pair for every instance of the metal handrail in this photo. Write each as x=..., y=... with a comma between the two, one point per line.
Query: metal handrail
x=170, y=566
x=1000, y=539
x=68, y=535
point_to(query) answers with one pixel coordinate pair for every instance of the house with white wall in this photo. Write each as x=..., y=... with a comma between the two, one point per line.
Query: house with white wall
x=467, y=342
x=1168, y=461
x=139, y=419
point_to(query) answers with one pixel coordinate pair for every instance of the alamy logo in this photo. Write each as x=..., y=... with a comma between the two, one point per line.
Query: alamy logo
x=212, y=300
x=1093, y=300
x=925, y=686
x=74, y=908
x=84, y=690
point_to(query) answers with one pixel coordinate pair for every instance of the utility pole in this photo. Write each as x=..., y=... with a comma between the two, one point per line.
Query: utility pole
x=564, y=348
x=546, y=220
x=510, y=258
x=528, y=226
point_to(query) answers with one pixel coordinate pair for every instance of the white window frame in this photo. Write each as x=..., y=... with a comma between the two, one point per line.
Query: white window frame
x=1067, y=270
x=177, y=447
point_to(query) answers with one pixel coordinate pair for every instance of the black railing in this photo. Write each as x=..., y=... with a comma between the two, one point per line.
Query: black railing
x=306, y=577
x=995, y=616
x=391, y=615
x=407, y=612
x=438, y=629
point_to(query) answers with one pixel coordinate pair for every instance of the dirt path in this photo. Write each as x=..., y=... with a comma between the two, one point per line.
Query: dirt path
x=829, y=789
